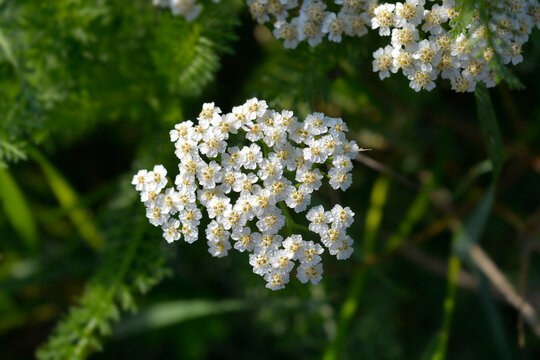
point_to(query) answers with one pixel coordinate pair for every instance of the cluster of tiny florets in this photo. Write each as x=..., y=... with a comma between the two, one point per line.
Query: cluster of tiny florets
x=423, y=45
x=312, y=21
x=188, y=9
x=245, y=169
x=424, y=48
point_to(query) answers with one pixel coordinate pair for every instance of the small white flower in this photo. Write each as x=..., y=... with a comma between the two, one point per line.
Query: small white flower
x=341, y=217
x=170, y=201
x=270, y=170
x=316, y=152
x=156, y=179
x=268, y=242
x=310, y=179
x=250, y=156
x=383, y=61
x=339, y=179
x=288, y=32
x=181, y=131
x=210, y=174
x=342, y=248
x=219, y=248
x=310, y=273
x=218, y=206
x=276, y=279
x=271, y=222
x=187, y=8
x=156, y=215
x=255, y=108
x=213, y=144
x=191, y=216
x=315, y=124
x=260, y=262
x=139, y=180
x=209, y=115
x=190, y=232
x=281, y=261
x=171, y=231
x=334, y=25
x=384, y=19
x=298, y=200
x=310, y=253
x=311, y=31
x=319, y=219
x=292, y=246
x=245, y=240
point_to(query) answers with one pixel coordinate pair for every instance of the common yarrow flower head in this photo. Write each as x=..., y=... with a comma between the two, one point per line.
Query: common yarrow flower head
x=311, y=20
x=244, y=170
x=425, y=44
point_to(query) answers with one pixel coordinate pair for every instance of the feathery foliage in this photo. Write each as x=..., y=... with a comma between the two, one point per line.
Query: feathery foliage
x=133, y=263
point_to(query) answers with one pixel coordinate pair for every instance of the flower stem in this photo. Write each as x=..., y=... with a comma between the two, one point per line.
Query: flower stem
x=289, y=222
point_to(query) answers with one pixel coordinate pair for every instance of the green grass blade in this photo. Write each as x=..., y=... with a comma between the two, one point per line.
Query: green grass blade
x=6, y=50
x=170, y=313
x=68, y=199
x=463, y=239
x=454, y=265
x=415, y=212
x=493, y=317
x=17, y=210
x=474, y=225
x=490, y=128
x=348, y=309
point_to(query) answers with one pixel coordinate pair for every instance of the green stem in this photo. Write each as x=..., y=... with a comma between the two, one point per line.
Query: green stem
x=350, y=305
x=289, y=222
x=454, y=265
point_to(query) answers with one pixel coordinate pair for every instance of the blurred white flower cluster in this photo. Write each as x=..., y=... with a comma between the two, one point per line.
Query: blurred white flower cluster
x=423, y=46
x=189, y=9
x=312, y=22
x=245, y=169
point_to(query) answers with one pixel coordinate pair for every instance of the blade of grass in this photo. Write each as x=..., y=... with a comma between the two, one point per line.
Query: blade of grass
x=171, y=313
x=439, y=350
x=68, y=199
x=415, y=212
x=493, y=317
x=17, y=210
x=463, y=239
x=490, y=128
x=476, y=171
x=348, y=309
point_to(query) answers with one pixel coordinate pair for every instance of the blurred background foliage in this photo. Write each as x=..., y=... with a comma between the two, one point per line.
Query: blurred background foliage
x=446, y=261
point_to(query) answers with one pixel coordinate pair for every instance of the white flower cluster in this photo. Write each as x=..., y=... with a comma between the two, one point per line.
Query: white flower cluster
x=422, y=45
x=189, y=9
x=312, y=21
x=423, y=48
x=246, y=188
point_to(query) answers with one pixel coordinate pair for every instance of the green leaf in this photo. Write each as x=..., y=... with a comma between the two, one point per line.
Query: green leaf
x=169, y=313
x=17, y=210
x=490, y=128
x=6, y=50
x=68, y=199
x=475, y=225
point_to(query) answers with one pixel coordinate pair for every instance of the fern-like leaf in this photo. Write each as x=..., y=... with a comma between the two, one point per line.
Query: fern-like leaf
x=133, y=264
